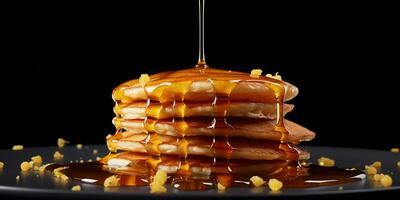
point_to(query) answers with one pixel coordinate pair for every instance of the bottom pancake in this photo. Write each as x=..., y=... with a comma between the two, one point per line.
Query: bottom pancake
x=220, y=147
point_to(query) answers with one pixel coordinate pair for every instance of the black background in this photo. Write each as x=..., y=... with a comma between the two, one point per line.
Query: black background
x=343, y=58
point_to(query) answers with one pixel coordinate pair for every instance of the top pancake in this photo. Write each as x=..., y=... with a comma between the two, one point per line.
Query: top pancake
x=203, y=85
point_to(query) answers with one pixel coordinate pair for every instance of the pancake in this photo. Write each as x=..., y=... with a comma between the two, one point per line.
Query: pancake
x=137, y=110
x=228, y=127
x=230, y=148
x=203, y=85
x=135, y=162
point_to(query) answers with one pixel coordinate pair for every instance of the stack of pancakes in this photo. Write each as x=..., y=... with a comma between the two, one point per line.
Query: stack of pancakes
x=198, y=119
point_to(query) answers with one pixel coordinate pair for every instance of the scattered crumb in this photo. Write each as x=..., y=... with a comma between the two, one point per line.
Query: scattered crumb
x=276, y=76
x=37, y=160
x=221, y=187
x=95, y=151
x=58, y=174
x=76, y=188
x=112, y=181
x=79, y=146
x=257, y=181
x=81, y=161
x=378, y=177
x=395, y=150
x=58, y=156
x=386, y=181
x=18, y=147
x=43, y=167
x=340, y=188
x=25, y=166
x=275, y=184
x=144, y=78
x=398, y=163
x=157, y=188
x=255, y=73
x=326, y=162
x=377, y=164
x=90, y=160
x=1, y=165
x=61, y=142
x=98, y=158
x=17, y=178
x=371, y=170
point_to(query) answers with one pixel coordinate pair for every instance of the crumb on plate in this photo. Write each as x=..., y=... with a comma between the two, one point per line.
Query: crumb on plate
x=255, y=73
x=58, y=156
x=112, y=181
x=18, y=147
x=326, y=162
x=275, y=184
x=257, y=181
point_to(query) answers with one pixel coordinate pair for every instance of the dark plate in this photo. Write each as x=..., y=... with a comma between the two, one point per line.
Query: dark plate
x=45, y=186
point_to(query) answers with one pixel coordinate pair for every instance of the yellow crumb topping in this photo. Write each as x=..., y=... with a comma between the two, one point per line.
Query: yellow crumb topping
x=112, y=181
x=157, y=188
x=76, y=188
x=276, y=76
x=257, y=181
x=18, y=147
x=221, y=187
x=25, y=166
x=371, y=170
x=255, y=73
x=378, y=177
x=144, y=78
x=95, y=151
x=58, y=174
x=1, y=165
x=326, y=162
x=160, y=177
x=37, y=160
x=58, y=156
x=395, y=150
x=43, y=167
x=377, y=164
x=275, y=184
x=386, y=181
x=61, y=142
x=79, y=146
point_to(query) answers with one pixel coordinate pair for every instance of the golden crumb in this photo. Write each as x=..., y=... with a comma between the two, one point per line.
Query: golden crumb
x=98, y=158
x=377, y=164
x=81, y=161
x=58, y=174
x=25, y=166
x=112, y=181
x=370, y=170
x=221, y=187
x=1, y=165
x=157, y=188
x=90, y=160
x=257, y=181
x=144, y=78
x=37, y=160
x=18, y=147
x=95, y=151
x=326, y=162
x=17, y=178
x=58, y=156
x=255, y=73
x=76, y=188
x=386, y=181
x=61, y=142
x=43, y=167
x=160, y=177
x=79, y=146
x=275, y=184
x=276, y=76
x=394, y=150
x=378, y=177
